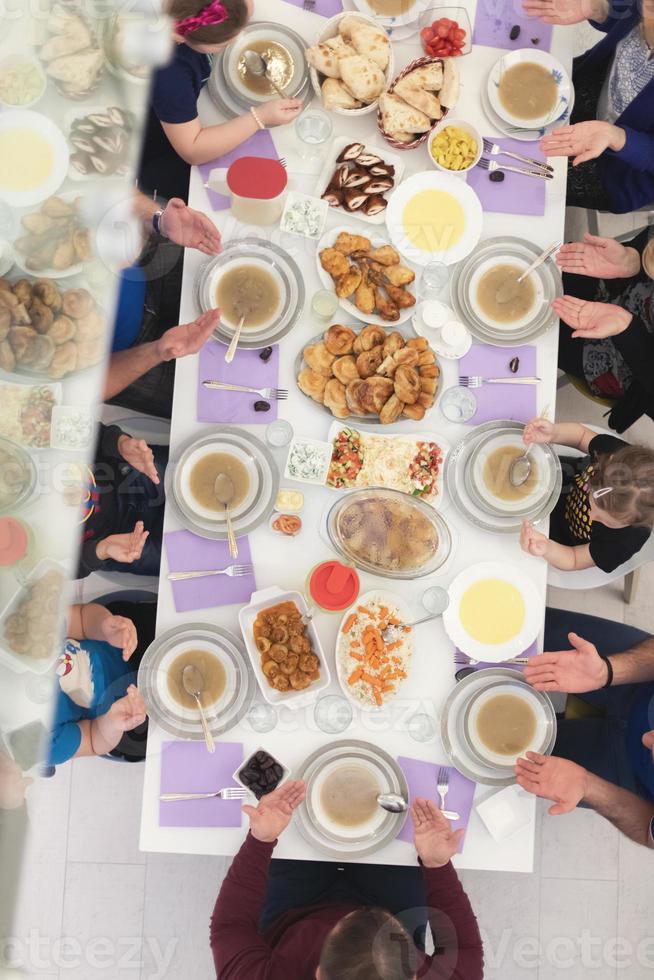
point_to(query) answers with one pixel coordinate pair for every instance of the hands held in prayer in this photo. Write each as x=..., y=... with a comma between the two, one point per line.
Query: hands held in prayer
x=138, y=454
x=273, y=813
x=565, y=12
x=129, y=712
x=434, y=839
x=592, y=321
x=601, y=258
x=555, y=779
x=185, y=226
x=573, y=671
x=187, y=338
x=583, y=141
x=120, y=632
x=126, y=548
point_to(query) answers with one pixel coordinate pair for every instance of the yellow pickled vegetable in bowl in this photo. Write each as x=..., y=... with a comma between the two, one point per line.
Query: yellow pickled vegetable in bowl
x=455, y=147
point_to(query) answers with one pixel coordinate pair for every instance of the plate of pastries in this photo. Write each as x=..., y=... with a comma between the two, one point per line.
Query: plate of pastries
x=376, y=375
x=367, y=275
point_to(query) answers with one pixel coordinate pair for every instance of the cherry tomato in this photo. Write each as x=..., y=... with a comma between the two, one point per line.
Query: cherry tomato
x=426, y=34
x=442, y=30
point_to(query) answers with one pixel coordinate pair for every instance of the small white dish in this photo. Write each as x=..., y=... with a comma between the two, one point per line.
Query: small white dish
x=505, y=813
x=309, y=211
x=43, y=129
x=286, y=772
x=304, y=453
x=71, y=427
x=469, y=130
x=448, y=337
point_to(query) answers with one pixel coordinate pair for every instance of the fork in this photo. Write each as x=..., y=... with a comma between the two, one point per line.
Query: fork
x=230, y=793
x=494, y=149
x=234, y=571
x=443, y=784
x=279, y=394
x=476, y=381
x=460, y=660
x=492, y=165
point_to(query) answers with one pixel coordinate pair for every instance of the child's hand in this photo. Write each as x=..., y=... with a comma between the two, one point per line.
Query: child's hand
x=532, y=541
x=120, y=632
x=538, y=430
x=126, y=548
x=129, y=712
x=139, y=456
x=279, y=112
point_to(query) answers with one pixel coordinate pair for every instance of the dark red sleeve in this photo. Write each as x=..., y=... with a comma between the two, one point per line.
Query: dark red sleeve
x=459, y=950
x=239, y=951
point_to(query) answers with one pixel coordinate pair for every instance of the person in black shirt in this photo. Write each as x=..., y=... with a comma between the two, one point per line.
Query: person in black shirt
x=605, y=512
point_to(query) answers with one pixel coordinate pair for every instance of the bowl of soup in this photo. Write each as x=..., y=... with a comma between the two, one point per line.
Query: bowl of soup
x=503, y=721
x=499, y=299
x=33, y=157
x=283, y=53
x=529, y=88
x=489, y=472
x=201, y=470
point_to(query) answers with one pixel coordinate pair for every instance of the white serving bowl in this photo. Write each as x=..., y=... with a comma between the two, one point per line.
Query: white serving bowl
x=467, y=128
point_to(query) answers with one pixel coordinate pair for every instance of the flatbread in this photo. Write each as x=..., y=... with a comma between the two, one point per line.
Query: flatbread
x=417, y=97
x=399, y=117
x=371, y=42
x=363, y=79
x=449, y=93
x=429, y=77
x=336, y=96
x=324, y=59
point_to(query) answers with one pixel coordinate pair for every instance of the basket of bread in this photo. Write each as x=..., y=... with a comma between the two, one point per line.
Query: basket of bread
x=351, y=64
x=421, y=95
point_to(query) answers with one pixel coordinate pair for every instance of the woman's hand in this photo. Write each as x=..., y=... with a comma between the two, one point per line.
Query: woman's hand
x=565, y=12
x=129, y=712
x=273, y=813
x=434, y=839
x=538, y=430
x=126, y=548
x=601, y=258
x=592, y=321
x=573, y=671
x=583, y=141
x=190, y=228
x=555, y=779
x=120, y=632
x=279, y=112
x=139, y=456
x=532, y=541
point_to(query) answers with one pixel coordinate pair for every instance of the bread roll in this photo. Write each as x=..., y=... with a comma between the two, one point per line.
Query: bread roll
x=363, y=78
x=429, y=77
x=324, y=59
x=336, y=96
x=371, y=42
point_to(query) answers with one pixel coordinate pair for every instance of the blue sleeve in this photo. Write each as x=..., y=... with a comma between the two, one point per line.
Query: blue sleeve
x=65, y=740
x=638, y=150
x=174, y=98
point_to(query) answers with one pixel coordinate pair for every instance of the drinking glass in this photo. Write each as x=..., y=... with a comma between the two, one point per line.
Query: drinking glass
x=324, y=304
x=262, y=717
x=279, y=433
x=433, y=280
x=435, y=600
x=313, y=128
x=421, y=728
x=333, y=714
x=458, y=404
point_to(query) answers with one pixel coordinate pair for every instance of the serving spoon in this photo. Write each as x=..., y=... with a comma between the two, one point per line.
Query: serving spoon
x=509, y=289
x=223, y=489
x=439, y=604
x=395, y=803
x=193, y=683
x=256, y=64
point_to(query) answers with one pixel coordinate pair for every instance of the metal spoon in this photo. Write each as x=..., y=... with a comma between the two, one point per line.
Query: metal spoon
x=395, y=803
x=520, y=468
x=223, y=488
x=509, y=289
x=256, y=64
x=193, y=682
x=393, y=632
x=231, y=350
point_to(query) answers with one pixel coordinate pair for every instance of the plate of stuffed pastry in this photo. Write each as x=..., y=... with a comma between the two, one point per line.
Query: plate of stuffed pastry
x=367, y=275
x=377, y=376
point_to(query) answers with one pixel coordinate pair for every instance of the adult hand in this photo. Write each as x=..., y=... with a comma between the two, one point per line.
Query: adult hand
x=139, y=456
x=279, y=112
x=573, y=671
x=185, y=226
x=564, y=12
x=648, y=742
x=120, y=632
x=12, y=783
x=434, y=839
x=532, y=541
x=129, y=712
x=538, y=430
x=126, y=548
x=602, y=258
x=583, y=141
x=555, y=779
x=589, y=320
x=273, y=813
x=187, y=338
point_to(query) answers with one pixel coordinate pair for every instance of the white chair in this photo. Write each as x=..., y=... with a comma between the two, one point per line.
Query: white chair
x=593, y=217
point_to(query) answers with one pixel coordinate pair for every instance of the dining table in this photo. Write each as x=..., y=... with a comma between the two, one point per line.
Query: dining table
x=285, y=561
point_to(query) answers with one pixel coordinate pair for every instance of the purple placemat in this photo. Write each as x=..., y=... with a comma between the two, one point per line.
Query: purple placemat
x=494, y=20
x=463, y=661
x=326, y=8
x=517, y=403
x=188, y=552
x=187, y=767
x=259, y=145
x=422, y=778
x=247, y=368
x=516, y=194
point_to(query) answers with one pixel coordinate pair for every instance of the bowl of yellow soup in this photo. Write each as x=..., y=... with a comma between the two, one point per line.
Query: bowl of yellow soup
x=33, y=158
x=434, y=217
x=495, y=611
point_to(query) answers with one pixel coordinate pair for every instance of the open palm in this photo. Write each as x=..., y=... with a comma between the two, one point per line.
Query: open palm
x=583, y=141
x=434, y=839
x=564, y=12
x=589, y=320
x=188, y=338
x=602, y=258
x=126, y=548
x=185, y=226
x=573, y=671
x=275, y=810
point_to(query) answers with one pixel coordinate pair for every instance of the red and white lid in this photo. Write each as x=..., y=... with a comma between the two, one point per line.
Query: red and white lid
x=257, y=177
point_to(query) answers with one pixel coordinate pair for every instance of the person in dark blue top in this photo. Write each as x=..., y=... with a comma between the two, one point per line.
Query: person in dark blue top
x=611, y=139
x=201, y=29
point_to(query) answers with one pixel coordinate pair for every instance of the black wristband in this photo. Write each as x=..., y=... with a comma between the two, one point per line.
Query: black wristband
x=609, y=667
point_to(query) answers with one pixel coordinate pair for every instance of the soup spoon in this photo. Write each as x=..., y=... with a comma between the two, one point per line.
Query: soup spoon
x=395, y=803
x=520, y=468
x=256, y=64
x=231, y=350
x=509, y=288
x=193, y=682
x=224, y=491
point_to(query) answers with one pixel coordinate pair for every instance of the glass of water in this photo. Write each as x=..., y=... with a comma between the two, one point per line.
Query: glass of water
x=333, y=714
x=421, y=728
x=262, y=717
x=433, y=280
x=313, y=128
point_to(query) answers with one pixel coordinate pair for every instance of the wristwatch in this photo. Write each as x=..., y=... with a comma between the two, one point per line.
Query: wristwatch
x=156, y=221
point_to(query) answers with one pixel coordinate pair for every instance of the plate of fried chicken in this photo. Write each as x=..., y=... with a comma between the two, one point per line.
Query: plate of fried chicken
x=367, y=275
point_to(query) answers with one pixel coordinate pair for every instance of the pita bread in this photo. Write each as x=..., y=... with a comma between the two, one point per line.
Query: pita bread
x=324, y=59
x=346, y=24
x=418, y=98
x=363, y=78
x=336, y=96
x=429, y=77
x=371, y=43
x=399, y=117
x=449, y=94
x=400, y=136
x=339, y=45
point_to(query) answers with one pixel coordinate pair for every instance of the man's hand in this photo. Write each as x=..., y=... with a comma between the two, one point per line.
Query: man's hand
x=565, y=12
x=126, y=548
x=190, y=228
x=648, y=742
x=573, y=671
x=139, y=456
x=433, y=837
x=187, y=338
x=120, y=632
x=555, y=779
x=279, y=112
x=12, y=783
x=129, y=712
x=583, y=141
x=273, y=813
x=601, y=258
x=591, y=321
x=532, y=541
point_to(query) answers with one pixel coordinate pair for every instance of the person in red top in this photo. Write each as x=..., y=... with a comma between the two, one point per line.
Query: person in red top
x=335, y=939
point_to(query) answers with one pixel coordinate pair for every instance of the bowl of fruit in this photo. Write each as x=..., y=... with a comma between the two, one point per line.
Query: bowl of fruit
x=446, y=32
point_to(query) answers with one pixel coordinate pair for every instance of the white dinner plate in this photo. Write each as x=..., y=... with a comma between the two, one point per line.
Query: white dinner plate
x=521, y=133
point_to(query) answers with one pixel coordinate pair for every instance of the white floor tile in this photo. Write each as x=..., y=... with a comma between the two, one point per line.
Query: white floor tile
x=562, y=857
x=635, y=918
x=98, y=831
x=103, y=915
x=578, y=923
x=180, y=894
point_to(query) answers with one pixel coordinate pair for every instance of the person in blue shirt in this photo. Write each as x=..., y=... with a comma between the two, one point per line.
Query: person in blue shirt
x=611, y=139
x=605, y=759
x=98, y=708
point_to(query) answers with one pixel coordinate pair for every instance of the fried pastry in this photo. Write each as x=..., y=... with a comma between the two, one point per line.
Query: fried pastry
x=415, y=412
x=62, y=330
x=41, y=352
x=399, y=275
x=7, y=356
x=402, y=298
x=64, y=360
x=90, y=326
x=388, y=367
x=345, y=369
x=335, y=399
x=425, y=399
x=426, y=357
x=47, y=292
x=368, y=361
x=8, y=300
x=22, y=290
x=385, y=306
x=42, y=316
x=429, y=385
x=312, y=384
x=394, y=341
x=391, y=411
x=5, y=322
x=374, y=393
x=347, y=243
x=339, y=339
x=89, y=352
x=418, y=343
x=21, y=339
x=319, y=359
x=407, y=384
x=385, y=255
x=56, y=207
x=364, y=297
x=346, y=285
x=407, y=356
x=334, y=262
x=82, y=244
x=430, y=371
x=353, y=392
